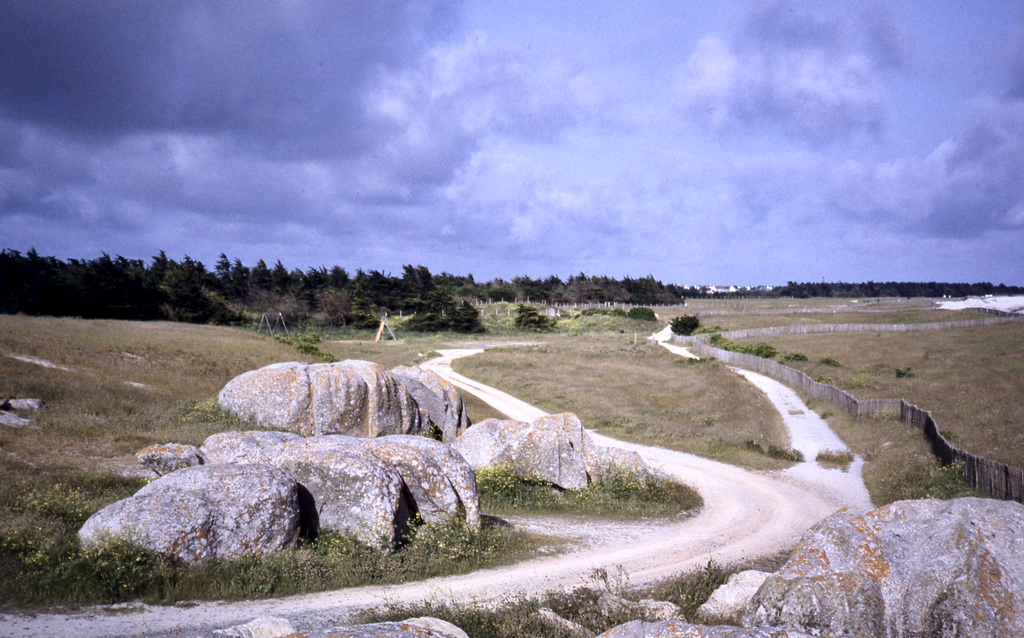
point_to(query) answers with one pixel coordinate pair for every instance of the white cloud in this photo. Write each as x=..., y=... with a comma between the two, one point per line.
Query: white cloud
x=801, y=74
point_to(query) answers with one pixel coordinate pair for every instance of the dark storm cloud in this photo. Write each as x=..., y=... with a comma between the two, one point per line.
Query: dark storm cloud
x=982, y=189
x=279, y=74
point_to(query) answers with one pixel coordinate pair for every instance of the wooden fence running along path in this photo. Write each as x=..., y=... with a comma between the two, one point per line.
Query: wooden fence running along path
x=994, y=477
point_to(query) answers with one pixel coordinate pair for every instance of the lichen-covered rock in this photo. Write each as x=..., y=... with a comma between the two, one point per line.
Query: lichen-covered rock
x=487, y=442
x=438, y=398
x=909, y=569
x=252, y=446
x=204, y=512
x=357, y=398
x=368, y=487
x=731, y=599
x=553, y=448
x=440, y=481
x=167, y=457
x=681, y=629
x=549, y=454
x=354, y=491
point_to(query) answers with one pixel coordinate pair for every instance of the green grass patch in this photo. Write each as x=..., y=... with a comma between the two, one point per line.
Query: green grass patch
x=621, y=494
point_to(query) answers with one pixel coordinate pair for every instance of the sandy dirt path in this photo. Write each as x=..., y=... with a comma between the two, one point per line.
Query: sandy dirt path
x=746, y=514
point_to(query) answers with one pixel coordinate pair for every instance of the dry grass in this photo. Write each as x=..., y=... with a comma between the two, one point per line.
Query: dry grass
x=640, y=393
x=898, y=464
x=972, y=380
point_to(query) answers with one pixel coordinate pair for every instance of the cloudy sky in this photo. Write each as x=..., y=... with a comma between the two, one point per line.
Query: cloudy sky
x=701, y=142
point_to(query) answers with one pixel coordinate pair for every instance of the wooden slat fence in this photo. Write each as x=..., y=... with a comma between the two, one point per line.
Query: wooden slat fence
x=994, y=477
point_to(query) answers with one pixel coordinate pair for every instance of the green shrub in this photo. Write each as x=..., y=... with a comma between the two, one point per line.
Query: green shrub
x=528, y=318
x=829, y=361
x=763, y=350
x=643, y=314
x=902, y=373
x=685, y=325
x=795, y=356
x=307, y=343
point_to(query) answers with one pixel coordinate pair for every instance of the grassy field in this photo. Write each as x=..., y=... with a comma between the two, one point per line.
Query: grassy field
x=972, y=380
x=638, y=393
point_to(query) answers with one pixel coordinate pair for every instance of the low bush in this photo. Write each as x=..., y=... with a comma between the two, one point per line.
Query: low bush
x=528, y=318
x=643, y=314
x=307, y=343
x=795, y=356
x=763, y=350
x=685, y=325
x=829, y=361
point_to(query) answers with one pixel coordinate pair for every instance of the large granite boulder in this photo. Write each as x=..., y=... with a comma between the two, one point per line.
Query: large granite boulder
x=553, y=448
x=204, y=512
x=358, y=398
x=681, y=629
x=353, y=490
x=438, y=398
x=368, y=487
x=440, y=481
x=909, y=569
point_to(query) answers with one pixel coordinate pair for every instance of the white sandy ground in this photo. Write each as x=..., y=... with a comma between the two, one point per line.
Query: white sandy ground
x=1004, y=303
x=746, y=514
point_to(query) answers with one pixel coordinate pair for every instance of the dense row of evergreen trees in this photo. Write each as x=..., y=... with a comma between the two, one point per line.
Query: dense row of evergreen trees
x=895, y=289
x=116, y=287
x=120, y=288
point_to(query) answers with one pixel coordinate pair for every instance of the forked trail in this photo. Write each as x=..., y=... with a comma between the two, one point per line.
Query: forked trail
x=746, y=514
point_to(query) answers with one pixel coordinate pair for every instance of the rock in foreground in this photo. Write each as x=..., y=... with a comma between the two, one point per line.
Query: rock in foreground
x=909, y=569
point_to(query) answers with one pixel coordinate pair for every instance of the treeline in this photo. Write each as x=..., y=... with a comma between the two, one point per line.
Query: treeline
x=231, y=292
x=895, y=289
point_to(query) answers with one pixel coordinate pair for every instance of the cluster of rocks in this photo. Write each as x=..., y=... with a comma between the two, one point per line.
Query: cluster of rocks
x=9, y=409
x=347, y=455
x=553, y=448
x=260, y=491
x=256, y=492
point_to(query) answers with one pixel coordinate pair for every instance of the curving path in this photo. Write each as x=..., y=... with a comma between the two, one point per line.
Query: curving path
x=746, y=514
